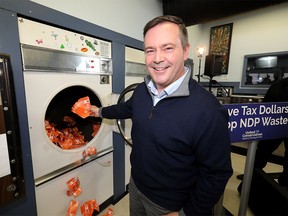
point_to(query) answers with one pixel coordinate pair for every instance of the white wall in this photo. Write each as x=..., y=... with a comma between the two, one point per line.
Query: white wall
x=127, y=17
x=261, y=31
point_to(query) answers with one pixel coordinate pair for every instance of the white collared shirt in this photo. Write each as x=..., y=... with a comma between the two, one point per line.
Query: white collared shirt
x=168, y=90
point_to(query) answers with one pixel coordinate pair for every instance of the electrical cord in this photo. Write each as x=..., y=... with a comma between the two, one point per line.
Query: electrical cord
x=214, y=82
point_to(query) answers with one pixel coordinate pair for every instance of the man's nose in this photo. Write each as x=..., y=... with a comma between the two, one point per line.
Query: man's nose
x=159, y=56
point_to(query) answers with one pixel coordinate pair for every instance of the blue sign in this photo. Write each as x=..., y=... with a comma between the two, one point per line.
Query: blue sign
x=257, y=121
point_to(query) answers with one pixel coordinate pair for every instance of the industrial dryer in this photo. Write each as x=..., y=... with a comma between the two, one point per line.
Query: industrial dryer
x=60, y=67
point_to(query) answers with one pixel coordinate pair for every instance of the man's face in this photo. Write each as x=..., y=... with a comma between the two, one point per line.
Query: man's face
x=164, y=54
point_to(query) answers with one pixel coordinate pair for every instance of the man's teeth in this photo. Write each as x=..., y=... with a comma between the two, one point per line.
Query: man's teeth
x=162, y=68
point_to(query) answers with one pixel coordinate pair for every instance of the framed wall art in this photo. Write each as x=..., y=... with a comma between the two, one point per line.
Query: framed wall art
x=220, y=41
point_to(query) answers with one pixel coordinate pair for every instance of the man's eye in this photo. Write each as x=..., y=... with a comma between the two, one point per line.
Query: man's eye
x=149, y=51
x=168, y=49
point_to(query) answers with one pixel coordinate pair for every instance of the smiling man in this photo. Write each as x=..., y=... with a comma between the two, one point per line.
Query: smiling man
x=180, y=159
x=165, y=54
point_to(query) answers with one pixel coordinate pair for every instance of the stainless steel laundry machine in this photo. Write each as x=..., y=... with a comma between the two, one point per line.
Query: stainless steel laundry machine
x=59, y=68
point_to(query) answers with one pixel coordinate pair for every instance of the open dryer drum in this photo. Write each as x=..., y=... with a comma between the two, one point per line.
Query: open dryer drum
x=66, y=129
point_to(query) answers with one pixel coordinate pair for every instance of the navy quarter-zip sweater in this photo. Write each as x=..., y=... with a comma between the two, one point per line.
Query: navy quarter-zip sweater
x=180, y=157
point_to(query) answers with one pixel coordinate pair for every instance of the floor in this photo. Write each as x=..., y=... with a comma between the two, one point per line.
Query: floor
x=231, y=196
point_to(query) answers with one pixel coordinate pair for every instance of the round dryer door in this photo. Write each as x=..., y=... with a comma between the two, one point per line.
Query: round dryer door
x=125, y=126
x=65, y=129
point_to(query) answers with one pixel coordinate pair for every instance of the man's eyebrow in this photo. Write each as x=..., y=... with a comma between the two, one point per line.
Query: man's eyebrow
x=163, y=45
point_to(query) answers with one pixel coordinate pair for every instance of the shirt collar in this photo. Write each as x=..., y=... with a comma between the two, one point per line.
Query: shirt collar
x=169, y=89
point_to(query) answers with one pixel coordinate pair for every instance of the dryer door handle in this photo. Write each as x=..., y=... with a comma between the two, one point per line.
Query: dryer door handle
x=120, y=122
